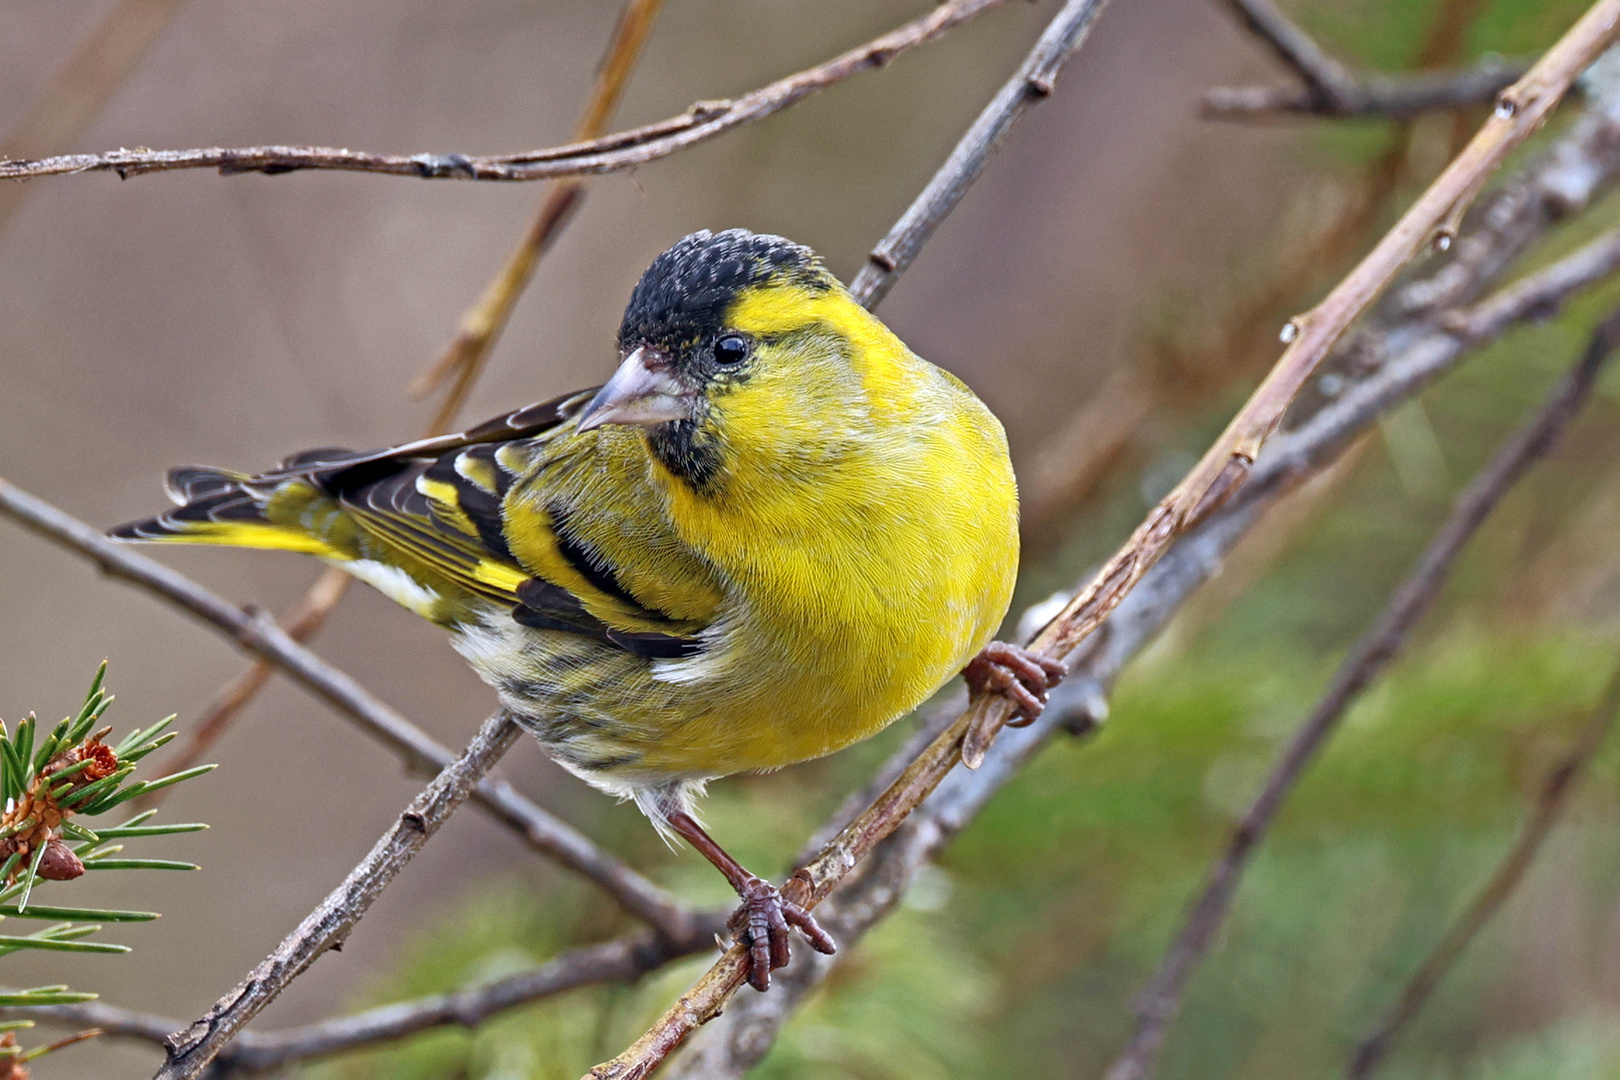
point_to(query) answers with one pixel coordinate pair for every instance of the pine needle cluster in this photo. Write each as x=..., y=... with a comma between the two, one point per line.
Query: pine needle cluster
x=48, y=784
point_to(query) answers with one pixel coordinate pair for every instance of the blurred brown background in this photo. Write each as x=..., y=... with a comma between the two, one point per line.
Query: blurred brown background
x=192, y=318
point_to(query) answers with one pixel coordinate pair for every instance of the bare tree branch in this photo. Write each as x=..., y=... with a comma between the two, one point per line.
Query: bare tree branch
x=261, y=636
x=1556, y=790
x=190, y=1050
x=1034, y=81
x=1332, y=90
x=1159, y=1003
x=612, y=153
x=480, y=326
x=1389, y=97
x=1581, y=166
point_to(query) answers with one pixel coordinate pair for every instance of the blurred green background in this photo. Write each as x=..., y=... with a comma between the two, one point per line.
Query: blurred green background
x=1117, y=240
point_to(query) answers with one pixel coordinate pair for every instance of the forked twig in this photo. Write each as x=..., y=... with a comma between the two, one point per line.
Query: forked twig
x=611, y=153
x=1160, y=1001
x=1332, y=90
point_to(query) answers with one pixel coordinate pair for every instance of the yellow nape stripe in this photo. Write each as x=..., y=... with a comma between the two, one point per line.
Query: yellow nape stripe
x=248, y=535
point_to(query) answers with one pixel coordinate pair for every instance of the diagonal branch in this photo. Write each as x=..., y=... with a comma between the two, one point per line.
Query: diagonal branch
x=612, y=153
x=1432, y=219
x=1556, y=790
x=1332, y=90
x=261, y=636
x=191, y=1049
x=1372, y=654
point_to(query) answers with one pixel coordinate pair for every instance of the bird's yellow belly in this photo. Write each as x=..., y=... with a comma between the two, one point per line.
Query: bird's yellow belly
x=775, y=685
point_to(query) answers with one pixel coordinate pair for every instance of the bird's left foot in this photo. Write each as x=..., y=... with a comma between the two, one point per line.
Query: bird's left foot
x=1023, y=676
x=763, y=925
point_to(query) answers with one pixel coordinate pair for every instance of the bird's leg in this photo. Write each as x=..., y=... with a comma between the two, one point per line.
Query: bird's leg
x=763, y=920
x=1024, y=677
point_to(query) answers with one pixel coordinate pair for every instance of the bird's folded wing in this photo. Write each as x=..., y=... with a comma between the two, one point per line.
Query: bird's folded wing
x=438, y=503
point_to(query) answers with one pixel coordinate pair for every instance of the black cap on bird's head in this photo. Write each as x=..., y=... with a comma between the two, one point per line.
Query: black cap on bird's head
x=683, y=297
x=674, y=344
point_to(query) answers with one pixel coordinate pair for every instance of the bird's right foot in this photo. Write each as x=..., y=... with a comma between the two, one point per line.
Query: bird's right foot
x=763, y=925
x=1023, y=676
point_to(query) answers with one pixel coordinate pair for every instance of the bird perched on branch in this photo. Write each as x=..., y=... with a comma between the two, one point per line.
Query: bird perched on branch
x=772, y=532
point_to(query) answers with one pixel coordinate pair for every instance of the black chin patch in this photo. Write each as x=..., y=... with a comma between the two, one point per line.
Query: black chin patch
x=685, y=453
x=684, y=295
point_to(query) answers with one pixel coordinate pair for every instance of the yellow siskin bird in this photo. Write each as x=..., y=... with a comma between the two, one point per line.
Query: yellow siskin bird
x=771, y=533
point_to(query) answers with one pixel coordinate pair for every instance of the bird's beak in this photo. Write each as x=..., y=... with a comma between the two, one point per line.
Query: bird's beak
x=642, y=392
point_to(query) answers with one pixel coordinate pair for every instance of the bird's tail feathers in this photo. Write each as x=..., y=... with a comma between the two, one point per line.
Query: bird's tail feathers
x=215, y=506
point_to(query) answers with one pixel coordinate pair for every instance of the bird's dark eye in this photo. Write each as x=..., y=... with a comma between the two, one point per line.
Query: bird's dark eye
x=731, y=349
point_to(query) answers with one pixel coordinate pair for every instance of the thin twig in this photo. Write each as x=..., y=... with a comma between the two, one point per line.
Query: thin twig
x=482, y=323
x=190, y=1050
x=1033, y=82
x=480, y=326
x=1556, y=790
x=1388, y=97
x=1332, y=90
x=79, y=89
x=262, y=637
x=1158, y=1004
x=1577, y=169
x=612, y=153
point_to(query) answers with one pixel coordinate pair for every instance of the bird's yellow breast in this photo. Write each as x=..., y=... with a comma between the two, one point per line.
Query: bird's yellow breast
x=873, y=555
